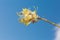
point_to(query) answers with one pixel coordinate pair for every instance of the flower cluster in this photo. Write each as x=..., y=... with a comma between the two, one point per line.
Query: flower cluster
x=27, y=16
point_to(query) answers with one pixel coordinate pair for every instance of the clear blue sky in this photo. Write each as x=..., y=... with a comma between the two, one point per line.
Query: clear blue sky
x=11, y=29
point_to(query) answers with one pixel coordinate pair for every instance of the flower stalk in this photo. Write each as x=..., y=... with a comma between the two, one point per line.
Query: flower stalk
x=50, y=22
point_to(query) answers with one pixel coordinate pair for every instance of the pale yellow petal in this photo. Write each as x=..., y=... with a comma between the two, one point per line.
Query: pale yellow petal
x=21, y=20
x=27, y=23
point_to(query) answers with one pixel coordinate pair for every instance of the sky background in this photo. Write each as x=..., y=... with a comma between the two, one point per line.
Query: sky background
x=11, y=29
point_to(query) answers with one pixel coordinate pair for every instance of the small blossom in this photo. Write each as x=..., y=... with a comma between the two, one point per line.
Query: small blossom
x=28, y=16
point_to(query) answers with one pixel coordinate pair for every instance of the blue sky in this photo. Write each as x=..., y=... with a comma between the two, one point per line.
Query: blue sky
x=11, y=29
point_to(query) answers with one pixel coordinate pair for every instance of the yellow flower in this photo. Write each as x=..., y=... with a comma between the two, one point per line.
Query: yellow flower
x=29, y=16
